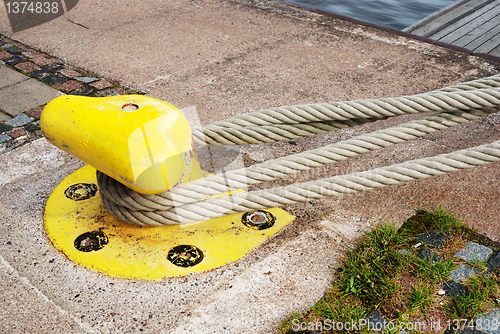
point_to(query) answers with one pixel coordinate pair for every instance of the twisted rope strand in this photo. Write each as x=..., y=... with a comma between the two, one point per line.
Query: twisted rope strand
x=217, y=135
x=327, y=187
x=285, y=123
x=278, y=168
x=489, y=82
x=268, y=134
x=385, y=107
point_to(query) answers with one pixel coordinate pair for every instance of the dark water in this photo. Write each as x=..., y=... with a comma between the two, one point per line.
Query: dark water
x=388, y=13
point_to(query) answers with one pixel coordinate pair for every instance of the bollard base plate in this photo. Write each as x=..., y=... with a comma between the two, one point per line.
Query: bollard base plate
x=80, y=227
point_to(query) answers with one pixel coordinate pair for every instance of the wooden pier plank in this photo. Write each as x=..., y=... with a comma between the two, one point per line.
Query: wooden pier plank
x=491, y=43
x=433, y=16
x=480, y=35
x=450, y=17
x=454, y=31
x=471, y=24
x=495, y=52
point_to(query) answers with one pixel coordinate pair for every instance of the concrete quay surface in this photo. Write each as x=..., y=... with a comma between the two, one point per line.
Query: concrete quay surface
x=225, y=58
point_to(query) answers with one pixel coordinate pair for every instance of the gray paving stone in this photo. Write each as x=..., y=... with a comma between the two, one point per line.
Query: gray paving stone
x=5, y=46
x=13, y=60
x=26, y=95
x=429, y=256
x=462, y=273
x=12, y=49
x=375, y=321
x=86, y=79
x=54, y=79
x=32, y=127
x=454, y=289
x=403, y=251
x=19, y=120
x=432, y=238
x=9, y=77
x=474, y=252
x=4, y=128
x=82, y=91
x=40, y=74
x=4, y=138
x=489, y=322
x=494, y=263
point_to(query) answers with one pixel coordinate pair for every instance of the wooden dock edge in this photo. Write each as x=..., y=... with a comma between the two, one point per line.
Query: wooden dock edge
x=432, y=16
x=444, y=11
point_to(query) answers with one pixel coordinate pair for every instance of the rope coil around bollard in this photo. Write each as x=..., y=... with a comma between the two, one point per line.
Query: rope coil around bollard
x=185, y=203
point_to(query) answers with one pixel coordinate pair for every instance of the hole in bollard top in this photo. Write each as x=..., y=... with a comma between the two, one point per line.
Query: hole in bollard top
x=91, y=241
x=258, y=220
x=81, y=191
x=130, y=107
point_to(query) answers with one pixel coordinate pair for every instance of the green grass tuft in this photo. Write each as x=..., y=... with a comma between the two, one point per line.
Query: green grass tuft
x=480, y=289
x=420, y=297
x=434, y=273
x=371, y=271
x=377, y=276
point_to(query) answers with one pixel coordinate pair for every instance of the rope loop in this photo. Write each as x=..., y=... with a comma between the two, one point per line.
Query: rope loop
x=187, y=203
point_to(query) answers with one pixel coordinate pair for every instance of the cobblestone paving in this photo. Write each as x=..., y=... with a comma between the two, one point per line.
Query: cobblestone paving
x=489, y=322
x=19, y=125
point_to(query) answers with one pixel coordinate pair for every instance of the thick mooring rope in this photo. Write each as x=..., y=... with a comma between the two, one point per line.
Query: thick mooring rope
x=274, y=169
x=274, y=124
x=303, y=192
x=484, y=83
x=374, y=108
x=214, y=135
x=172, y=207
x=240, y=135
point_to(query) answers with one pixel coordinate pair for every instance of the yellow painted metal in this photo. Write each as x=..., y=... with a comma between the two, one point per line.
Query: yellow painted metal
x=75, y=209
x=142, y=142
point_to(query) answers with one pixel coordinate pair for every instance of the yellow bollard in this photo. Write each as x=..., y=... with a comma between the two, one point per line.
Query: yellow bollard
x=91, y=237
x=144, y=143
x=147, y=145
